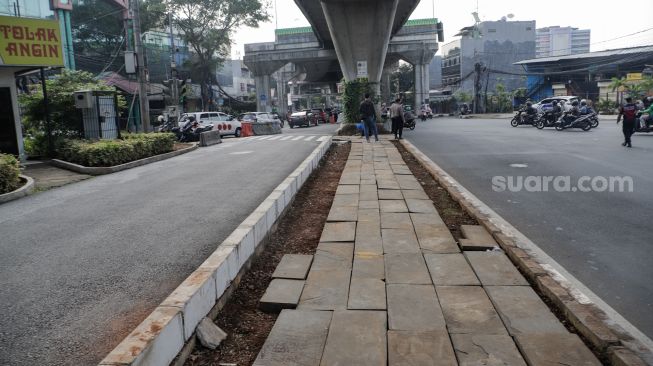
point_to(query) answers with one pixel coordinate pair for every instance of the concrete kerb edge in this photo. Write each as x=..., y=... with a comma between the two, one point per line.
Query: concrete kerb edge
x=603, y=334
x=160, y=338
x=117, y=168
x=22, y=191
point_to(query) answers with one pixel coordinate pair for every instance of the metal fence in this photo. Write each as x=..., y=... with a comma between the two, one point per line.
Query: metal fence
x=100, y=119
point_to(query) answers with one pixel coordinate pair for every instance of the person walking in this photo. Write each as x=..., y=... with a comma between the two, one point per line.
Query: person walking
x=629, y=113
x=368, y=115
x=397, y=116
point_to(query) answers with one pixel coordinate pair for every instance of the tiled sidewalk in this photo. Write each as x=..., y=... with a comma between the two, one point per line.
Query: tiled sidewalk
x=389, y=285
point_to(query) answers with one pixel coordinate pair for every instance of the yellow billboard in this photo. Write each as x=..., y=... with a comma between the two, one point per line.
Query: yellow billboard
x=30, y=42
x=634, y=76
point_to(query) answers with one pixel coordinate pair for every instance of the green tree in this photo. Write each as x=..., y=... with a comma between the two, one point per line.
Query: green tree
x=207, y=26
x=352, y=97
x=403, y=79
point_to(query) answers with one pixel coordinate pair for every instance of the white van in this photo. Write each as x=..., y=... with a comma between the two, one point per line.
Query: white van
x=222, y=122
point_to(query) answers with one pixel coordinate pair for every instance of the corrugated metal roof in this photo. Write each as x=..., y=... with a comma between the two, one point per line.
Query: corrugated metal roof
x=417, y=22
x=289, y=31
x=606, y=53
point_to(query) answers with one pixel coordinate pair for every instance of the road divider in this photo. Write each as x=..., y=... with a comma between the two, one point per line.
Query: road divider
x=266, y=128
x=162, y=335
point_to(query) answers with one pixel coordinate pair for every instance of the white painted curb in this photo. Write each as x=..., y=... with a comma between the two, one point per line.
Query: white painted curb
x=161, y=336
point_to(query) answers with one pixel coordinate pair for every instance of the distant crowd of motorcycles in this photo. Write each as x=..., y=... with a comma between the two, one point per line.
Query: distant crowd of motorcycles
x=580, y=115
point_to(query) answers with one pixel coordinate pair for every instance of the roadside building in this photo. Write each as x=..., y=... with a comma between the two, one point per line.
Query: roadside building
x=587, y=75
x=435, y=73
x=34, y=34
x=561, y=41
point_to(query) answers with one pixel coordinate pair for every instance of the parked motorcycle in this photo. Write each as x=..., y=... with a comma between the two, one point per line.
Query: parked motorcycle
x=521, y=118
x=409, y=120
x=187, y=133
x=583, y=122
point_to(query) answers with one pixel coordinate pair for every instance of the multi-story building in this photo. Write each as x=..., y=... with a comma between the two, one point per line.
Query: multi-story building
x=495, y=46
x=435, y=73
x=561, y=41
x=235, y=79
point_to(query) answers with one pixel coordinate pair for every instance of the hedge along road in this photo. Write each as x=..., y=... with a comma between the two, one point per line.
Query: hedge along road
x=82, y=265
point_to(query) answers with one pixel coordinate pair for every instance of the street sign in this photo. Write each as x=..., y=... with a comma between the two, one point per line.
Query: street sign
x=220, y=102
x=263, y=97
x=361, y=69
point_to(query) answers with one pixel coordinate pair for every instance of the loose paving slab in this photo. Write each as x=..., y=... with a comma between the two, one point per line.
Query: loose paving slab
x=369, y=205
x=293, y=266
x=420, y=206
x=368, y=238
x=281, y=294
x=450, y=270
x=470, y=246
x=407, y=268
x=420, y=348
x=477, y=234
x=555, y=349
x=390, y=194
x=343, y=214
x=396, y=220
x=356, y=337
x=468, y=310
x=399, y=241
x=522, y=311
x=436, y=239
x=338, y=231
x=366, y=294
x=325, y=290
x=480, y=349
x=345, y=200
x=386, y=183
x=413, y=307
x=333, y=256
x=495, y=269
x=347, y=189
x=368, y=266
x=297, y=338
x=393, y=206
x=417, y=194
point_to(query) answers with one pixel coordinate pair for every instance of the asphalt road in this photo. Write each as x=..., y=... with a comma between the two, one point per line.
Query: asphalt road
x=603, y=238
x=82, y=265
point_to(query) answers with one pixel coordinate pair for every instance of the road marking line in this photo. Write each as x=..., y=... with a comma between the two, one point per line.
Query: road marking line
x=275, y=138
x=240, y=152
x=309, y=138
x=285, y=138
x=265, y=137
x=298, y=138
x=323, y=138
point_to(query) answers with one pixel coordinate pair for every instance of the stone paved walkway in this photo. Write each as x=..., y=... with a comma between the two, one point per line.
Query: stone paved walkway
x=389, y=285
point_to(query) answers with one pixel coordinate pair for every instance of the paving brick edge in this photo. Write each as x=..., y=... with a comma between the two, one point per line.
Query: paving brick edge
x=607, y=338
x=117, y=168
x=163, y=334
x=24, y=190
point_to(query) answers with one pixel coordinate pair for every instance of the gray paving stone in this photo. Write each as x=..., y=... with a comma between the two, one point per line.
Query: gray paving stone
x=369, y=205
x=386, y=183
x=333, y=256
x=420, y=206
x=356, y=337
x=522, y=311
x=366, y=294
x=477, y=234
x=436, y=239
x=368, y=238
x=297, y=338
x=350, y=178
x=293, y=266
x=399, y=241
x=390, y=194
x=396, y=220
x=347, y=189
x=468, y=310
x=417, y=194
x=555, y=349
x=406, y=268
x=345, y=200
x=339, y=213
x=450, y=270
x=426, y=219
x=325, y=290
x=393, y=206
x=408, y=182
x=339, y=231
x=369, y=215
x=368, y=195
x=495, y=269
x=479, y=349
x=407, y=347
x=368, y=266
x=413, y=307
x=472, y=246
x=281, y=294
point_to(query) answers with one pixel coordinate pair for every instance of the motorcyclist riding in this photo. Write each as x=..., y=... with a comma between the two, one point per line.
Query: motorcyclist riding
x=531, y=112
x=585, y=108
x=572, y=114
x=647, y=113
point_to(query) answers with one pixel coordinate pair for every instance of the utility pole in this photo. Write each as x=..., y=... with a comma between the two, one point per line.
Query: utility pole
x=142, y=78
x=477, y=86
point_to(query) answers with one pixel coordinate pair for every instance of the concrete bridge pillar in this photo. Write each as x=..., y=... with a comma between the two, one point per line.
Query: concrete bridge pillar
x=361, y=31
x=420, y=58
x=263, y=103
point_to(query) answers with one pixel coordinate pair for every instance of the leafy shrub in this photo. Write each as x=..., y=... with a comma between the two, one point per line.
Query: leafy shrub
x=9, y=172
x=115, y=152
x=352, y=97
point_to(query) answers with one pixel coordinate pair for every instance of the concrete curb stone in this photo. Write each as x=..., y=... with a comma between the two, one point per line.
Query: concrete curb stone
x=588, y=320
x=162, y=335
x=22, y=191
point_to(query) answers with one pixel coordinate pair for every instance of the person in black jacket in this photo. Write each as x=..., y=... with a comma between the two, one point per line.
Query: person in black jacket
x=368, y=115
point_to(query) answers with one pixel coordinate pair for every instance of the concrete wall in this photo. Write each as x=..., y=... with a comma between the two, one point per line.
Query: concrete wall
x=8, y=80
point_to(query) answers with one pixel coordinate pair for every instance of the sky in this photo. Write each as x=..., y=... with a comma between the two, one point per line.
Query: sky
x=605, y=22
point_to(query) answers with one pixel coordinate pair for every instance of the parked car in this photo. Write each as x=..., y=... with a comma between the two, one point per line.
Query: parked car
x=320, y=114
x=220, y=121
x=302, y=118
x=254, y=117
x=546, y=103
